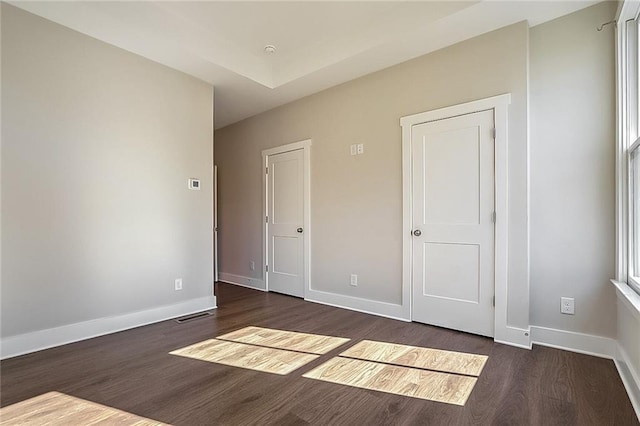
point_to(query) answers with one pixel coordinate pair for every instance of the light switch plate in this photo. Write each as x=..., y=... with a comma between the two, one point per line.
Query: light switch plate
x=194, y=184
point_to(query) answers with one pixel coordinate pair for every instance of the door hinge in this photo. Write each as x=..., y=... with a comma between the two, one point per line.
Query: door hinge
x=493, y=217
x=266, y=219
x=266, y=170
x=267, y=268
x=494, y=133
x=493, y=301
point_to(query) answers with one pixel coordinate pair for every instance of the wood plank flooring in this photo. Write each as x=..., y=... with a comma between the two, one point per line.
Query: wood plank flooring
x=133, y=371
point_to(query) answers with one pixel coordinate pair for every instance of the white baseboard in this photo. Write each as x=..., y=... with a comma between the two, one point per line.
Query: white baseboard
x=49, y=338
x=367, y=306
x=630, y=378
x=588, y=344
x=253, y=283
x=513, y=336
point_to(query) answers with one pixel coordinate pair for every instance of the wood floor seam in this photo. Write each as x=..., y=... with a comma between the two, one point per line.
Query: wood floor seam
x=318, y=344
x=268, y=347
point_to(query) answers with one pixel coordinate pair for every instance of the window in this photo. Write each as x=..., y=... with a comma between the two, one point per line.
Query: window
x=634, y=217
x=628, y=166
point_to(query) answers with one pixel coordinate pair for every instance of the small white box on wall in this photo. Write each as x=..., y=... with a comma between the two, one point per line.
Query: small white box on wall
x=194, y=184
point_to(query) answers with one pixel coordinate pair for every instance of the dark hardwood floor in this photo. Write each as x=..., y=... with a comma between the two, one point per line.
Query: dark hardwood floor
x=133, y=371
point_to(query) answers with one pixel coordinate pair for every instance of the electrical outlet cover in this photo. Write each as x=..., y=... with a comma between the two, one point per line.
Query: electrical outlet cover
x=354, y=280
x=567, y=305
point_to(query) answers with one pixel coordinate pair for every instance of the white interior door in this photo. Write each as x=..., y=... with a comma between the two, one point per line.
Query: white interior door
x=285, y=218
x=453, y=223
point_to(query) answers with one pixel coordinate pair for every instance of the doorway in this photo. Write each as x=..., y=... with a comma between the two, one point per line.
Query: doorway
x=286, y=204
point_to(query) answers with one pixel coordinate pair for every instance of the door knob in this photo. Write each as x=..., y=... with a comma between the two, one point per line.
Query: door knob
x=417, y=232
x=299, y=230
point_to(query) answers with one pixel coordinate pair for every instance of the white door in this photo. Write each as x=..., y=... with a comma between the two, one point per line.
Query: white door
x=453, y=223
x=285, y=218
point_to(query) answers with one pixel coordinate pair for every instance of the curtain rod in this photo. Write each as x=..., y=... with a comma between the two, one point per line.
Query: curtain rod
x=601, y=27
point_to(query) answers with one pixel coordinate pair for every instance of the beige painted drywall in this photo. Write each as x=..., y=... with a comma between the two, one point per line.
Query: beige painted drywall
x=97, y=147
x=356, y=202
x=572, y=171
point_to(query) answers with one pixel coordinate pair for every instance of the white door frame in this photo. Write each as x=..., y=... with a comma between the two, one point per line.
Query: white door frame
x=216, y=265
x=499, y=104
x=305, y=145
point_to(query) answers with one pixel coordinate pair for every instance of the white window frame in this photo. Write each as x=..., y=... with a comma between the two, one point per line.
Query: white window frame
x=628, y=141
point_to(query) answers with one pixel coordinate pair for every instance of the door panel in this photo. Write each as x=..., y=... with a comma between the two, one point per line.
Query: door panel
x=285, y=201
x=285, y=255
x=453, y=204
x=441, y=269
x=286, y=188
x=452, y=193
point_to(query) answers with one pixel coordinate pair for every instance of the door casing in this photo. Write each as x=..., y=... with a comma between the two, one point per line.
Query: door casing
x=305, y=146
x=499, y=104
x=216, y=265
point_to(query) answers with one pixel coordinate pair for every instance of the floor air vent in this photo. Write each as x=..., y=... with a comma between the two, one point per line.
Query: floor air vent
x=193, y=317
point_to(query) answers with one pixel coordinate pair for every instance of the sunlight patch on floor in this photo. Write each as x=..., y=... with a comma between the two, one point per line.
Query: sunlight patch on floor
x=425, y=373
x=268, y=360
x=412, y=371
x=405, y=381
x=289, y=340
x=58, y=409
x=414, y=356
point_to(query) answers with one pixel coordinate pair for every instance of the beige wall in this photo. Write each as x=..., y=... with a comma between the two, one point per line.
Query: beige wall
x=572, y=171
x=97, y=147
x=356, y=202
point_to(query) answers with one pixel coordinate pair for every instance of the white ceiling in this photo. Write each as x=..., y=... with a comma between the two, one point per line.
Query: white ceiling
x=319, y=43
